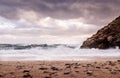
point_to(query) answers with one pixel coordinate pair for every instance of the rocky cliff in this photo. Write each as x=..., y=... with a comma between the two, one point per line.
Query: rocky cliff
x=107, y=37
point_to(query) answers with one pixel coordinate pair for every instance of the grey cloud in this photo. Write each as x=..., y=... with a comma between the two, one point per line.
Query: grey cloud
x=93, y=11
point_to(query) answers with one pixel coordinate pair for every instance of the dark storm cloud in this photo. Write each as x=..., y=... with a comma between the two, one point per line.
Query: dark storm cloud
x=93, y=11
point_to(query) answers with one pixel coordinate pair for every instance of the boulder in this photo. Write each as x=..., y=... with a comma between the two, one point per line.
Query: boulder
x=106, y=37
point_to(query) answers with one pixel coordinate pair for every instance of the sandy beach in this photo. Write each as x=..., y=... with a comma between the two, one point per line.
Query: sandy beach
x=98, y=68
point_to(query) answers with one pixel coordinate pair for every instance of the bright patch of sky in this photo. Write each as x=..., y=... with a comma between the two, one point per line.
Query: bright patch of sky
x=6, y=24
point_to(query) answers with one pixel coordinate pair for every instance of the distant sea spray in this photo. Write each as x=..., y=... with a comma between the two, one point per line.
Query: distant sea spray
x=52, y=52
x=32, y=46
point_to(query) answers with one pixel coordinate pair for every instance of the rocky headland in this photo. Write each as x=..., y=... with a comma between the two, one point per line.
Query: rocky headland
x=107, y=37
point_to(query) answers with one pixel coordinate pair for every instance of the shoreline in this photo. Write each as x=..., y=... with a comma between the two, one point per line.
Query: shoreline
x=65, y=59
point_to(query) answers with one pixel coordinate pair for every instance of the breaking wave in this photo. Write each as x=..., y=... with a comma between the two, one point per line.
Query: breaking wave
x=52, y=52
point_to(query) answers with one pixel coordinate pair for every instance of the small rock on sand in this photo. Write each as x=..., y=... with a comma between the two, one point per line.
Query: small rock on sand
x=89, y=72
x=118, y=60
x=26, y=71
x=43, y=68
x=27, y=75
x=1, y=75
x=67, y=71
x=54, y=68
x=19, y=67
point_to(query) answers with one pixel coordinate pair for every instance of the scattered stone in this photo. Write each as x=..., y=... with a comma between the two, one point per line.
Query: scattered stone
x=89, y=65
x=77, y=71
x=53, y=74
x=118, y=60
x=27, y=75
x=106, y=67
x=115, y=71
x=89, y=72
x=84, y=66
x=67, y=72
x=98, y=67
x=76, y=67
x=95, y=62
x=26, y=71
x=68, y=65
x=11, y=72
x=46, y=72
x=111, y=63
x=1, y=75
x=54, y=68
x=75, y=64
x=19, y=67
x=43, y=68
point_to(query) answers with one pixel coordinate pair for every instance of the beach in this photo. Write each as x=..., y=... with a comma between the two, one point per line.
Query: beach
x=95, y=68
x=59, y=38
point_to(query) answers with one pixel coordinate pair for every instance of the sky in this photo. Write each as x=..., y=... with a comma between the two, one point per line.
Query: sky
x=54, y=21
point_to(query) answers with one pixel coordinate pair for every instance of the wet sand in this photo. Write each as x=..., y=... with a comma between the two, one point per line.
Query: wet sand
x=98, y=68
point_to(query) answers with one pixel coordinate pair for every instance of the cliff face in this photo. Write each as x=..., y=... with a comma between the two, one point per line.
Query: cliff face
x=107, y=37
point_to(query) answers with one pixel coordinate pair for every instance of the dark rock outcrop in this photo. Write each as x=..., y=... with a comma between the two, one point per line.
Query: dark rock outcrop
x=107, y=37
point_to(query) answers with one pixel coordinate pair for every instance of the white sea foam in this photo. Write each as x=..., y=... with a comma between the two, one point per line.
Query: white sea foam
x=58, y=53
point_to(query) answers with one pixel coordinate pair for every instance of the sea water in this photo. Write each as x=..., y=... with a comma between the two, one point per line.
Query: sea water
x=54, y=52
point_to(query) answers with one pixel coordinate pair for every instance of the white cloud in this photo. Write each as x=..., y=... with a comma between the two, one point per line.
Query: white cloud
x=33, y=29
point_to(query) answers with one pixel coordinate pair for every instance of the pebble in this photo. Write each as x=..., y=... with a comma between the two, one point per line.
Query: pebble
x=118, y=60
x=26, y=71
x=43, y=68
x=106, y=67
x=115, y=71
x=27, y=76
x=89, y=72
x=67, y=72
x=77, y=71
x=48, y=77
x=1, y=75
x=46, y=72
x=68, y=65
x=97, y=67
x=54, y=68
x=11, y=72
x=19, y=67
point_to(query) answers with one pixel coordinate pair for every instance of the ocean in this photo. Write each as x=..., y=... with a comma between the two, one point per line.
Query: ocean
x=52, y=52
